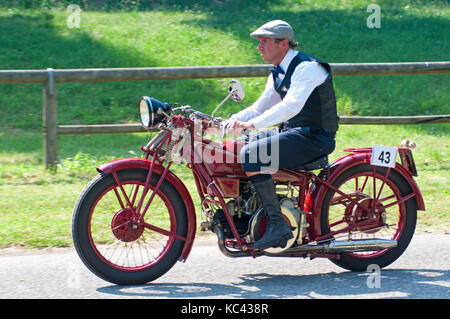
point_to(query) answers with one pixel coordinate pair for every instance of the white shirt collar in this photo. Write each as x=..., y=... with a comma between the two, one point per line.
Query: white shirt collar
x=287, y=59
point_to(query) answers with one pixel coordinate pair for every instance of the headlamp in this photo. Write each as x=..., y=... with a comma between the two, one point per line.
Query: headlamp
x=151, y=111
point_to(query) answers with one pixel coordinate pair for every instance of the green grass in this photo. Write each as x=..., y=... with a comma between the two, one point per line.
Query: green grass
x=36, y=206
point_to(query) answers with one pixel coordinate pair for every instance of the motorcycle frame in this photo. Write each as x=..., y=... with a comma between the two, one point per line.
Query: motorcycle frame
x=311, y=203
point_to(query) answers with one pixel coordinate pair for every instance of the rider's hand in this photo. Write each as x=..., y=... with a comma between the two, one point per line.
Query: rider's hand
x=237, y=127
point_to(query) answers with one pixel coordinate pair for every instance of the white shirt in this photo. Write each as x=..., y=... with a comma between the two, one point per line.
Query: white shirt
x=269, y=109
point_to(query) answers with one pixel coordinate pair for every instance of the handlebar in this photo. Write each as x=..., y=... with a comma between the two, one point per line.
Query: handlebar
x=216, y=121
x=199, y=114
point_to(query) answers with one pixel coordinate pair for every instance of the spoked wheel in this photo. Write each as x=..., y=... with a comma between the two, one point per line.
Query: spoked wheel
x=113, y=244
x=382, y=212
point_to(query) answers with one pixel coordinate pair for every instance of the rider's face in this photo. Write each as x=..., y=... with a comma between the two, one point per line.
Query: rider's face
x=271, y=50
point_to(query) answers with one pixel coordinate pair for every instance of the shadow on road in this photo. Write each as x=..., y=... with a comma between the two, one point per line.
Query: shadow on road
x=390, y=283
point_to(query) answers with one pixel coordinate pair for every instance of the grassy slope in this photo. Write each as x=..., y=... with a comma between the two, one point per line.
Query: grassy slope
x=40, y=204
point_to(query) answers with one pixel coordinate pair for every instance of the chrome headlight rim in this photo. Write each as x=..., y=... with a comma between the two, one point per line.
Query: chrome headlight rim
x=145, y=108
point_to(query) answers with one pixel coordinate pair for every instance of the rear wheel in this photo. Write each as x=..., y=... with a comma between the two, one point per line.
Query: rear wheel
x=110, y=242
x=388, y=214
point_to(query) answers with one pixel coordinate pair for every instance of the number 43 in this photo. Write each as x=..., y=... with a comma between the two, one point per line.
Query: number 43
x=383, y=155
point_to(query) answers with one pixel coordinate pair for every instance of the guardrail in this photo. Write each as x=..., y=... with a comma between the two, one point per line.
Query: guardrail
x=51, y=77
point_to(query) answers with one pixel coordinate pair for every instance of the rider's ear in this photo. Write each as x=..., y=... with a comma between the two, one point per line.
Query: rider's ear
x=282, y=42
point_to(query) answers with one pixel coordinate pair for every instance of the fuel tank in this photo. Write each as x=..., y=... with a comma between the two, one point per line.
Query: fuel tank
x=222, y=162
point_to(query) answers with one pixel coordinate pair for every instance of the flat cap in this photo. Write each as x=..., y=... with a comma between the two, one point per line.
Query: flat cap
x=278, y=29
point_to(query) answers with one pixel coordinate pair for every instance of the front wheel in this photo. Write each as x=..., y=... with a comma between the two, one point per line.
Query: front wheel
x=389, y=215
x=109, y=241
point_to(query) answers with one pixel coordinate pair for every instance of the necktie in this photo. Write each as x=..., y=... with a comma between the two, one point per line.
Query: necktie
x=275, y=71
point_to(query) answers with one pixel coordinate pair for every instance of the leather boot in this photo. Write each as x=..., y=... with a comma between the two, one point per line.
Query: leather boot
x=277, y=232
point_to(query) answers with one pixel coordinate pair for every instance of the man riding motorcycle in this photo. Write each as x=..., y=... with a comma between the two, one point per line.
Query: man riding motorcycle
x=299, y=97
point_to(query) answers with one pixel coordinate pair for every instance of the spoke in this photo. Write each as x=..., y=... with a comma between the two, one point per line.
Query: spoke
x=364, y=184
x=140, y=250
x=121, y=252
x=132, y=252
x=374, y=182
x=382, y=185
x=127, y=222
x=386, y=198
x=162, y=231
x=347, y=199
x=125, y=257
x=401, y=200
x=150, y=255
x=112, y=248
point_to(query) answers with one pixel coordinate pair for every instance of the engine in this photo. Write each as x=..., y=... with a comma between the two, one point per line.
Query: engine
x=242, y=224
x=241, y=209
x=250, y=219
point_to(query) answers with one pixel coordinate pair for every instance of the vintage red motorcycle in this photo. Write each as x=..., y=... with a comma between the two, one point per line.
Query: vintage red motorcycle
x=137, y=218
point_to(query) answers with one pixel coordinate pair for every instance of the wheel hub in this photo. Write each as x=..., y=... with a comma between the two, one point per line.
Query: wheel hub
x=124, y=228
x=374, y=216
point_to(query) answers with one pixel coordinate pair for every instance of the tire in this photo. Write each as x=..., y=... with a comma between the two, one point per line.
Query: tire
x=401, y=217
x=107, y=243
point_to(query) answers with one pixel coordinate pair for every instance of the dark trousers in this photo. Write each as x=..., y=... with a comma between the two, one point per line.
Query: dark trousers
x=269, y=151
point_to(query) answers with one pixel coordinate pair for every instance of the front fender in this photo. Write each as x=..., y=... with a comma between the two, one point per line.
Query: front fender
x=126, y=163
x=337, y=168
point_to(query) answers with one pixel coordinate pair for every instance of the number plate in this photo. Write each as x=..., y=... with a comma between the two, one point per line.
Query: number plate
x=383, y=156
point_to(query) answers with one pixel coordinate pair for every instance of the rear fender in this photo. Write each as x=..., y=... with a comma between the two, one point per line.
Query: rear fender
x=337, y=168
x=127, y=163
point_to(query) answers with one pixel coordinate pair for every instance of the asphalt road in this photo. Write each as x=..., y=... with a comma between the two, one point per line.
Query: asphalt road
x=422, y=272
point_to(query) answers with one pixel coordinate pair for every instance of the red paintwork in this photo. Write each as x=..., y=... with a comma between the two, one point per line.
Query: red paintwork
x=220, y=160
x=228, y=186
x=121, y=229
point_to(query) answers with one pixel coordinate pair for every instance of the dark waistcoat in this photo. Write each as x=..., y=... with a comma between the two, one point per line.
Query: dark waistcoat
x=319, y=111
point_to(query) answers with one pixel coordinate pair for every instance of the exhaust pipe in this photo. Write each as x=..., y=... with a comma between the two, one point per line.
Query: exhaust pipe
x=238, y=253
x=336, y=246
